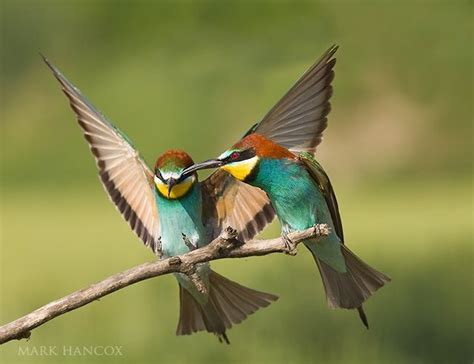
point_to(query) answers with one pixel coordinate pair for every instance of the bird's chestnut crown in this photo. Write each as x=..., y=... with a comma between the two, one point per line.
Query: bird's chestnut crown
x=170, y=179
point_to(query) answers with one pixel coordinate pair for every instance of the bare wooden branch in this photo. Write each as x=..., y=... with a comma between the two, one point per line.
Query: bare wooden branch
x=225, y=246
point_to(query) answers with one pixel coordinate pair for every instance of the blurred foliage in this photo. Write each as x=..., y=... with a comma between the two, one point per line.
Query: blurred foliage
x=196, y=75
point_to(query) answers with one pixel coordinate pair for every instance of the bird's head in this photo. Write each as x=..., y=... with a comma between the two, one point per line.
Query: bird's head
x=242, y=159
x=170, y=179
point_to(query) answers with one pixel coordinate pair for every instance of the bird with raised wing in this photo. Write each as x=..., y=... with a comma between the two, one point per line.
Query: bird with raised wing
x=277, y=156
x=171, y=212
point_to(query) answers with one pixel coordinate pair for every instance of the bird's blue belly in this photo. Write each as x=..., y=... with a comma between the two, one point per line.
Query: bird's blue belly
x=178, y=217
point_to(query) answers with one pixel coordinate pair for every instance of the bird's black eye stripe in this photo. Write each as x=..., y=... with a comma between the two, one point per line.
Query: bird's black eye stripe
x=158, y=174
x=241, y=155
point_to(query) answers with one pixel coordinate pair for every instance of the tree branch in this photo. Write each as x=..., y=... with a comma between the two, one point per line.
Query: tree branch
x=225, y=246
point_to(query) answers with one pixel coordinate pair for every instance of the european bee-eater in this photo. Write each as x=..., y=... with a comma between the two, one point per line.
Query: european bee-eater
x=276, y=155
x=172, y=213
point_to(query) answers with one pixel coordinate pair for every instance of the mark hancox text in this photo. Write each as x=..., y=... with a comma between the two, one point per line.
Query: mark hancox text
x=70, y=350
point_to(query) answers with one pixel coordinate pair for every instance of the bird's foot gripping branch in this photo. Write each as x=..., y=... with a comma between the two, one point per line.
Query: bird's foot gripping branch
x=225, y=246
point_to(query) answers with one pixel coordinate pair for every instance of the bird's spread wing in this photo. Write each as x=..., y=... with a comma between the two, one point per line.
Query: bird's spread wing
x=324, y=184
x=229, y=202
x=125, y=176
x=298, y=120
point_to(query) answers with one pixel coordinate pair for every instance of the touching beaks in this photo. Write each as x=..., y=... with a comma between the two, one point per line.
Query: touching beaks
x=211, y=163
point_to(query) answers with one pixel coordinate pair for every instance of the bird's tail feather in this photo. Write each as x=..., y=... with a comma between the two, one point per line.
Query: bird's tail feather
x=229, y=303
x=352, y=288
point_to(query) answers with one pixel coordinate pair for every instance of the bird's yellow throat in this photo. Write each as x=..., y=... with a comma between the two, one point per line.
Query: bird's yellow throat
x=241, y=169
x=178, y=190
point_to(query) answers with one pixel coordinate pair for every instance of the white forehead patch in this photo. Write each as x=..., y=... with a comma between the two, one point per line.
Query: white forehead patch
x=225, y=154
x=157, y=180
x=169, y=174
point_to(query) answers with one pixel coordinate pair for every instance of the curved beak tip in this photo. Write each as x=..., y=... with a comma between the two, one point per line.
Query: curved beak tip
x=171, y=183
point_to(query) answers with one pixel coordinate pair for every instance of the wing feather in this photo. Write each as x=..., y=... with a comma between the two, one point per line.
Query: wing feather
x=229, y=202
x=324, y=184
x=125, y=176
x=298, y=120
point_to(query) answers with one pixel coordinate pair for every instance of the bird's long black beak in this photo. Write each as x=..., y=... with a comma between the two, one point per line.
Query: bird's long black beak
x=171, y=183
x=211, y=163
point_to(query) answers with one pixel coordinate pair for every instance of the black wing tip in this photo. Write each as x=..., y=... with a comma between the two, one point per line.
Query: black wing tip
x=264, y=217
x=332, y=49
x=328, y=56
x=127, y=211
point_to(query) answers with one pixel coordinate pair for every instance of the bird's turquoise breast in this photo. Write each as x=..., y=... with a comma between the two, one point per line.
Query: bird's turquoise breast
x=294, y=195
x=181, y=216
x=299, y=204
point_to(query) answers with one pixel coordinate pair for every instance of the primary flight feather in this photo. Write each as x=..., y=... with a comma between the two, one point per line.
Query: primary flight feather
x=277, y=156
x=171, y=212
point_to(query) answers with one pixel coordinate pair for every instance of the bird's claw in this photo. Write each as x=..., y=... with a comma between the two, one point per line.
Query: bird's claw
x=158, y=247
x=290, y=247
x=189, y=243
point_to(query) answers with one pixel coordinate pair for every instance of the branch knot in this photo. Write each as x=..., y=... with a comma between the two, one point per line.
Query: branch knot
x=173, y=261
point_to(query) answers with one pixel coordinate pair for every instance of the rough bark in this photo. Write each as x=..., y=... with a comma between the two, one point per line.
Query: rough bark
x=225, y=246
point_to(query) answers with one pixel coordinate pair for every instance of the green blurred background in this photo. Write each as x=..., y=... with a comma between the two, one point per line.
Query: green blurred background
x=196, y=75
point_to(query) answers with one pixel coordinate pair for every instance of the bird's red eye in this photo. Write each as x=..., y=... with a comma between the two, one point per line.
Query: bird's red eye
x=234, y=155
